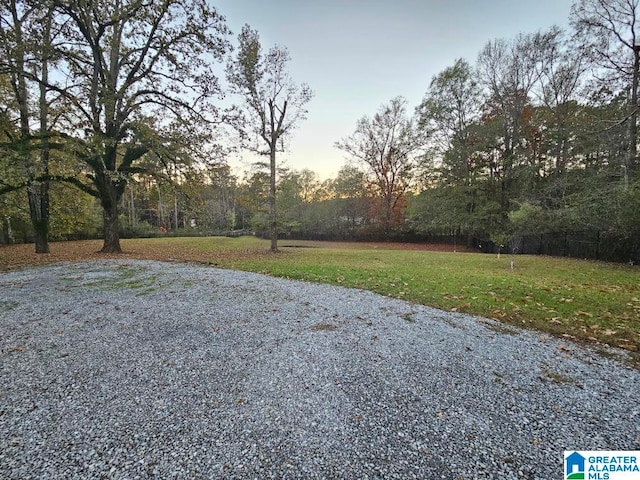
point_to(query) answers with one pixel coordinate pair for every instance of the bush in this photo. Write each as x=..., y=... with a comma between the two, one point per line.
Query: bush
x=138, y=230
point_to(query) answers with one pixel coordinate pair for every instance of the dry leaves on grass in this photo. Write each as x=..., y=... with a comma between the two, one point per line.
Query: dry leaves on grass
x=20, y=256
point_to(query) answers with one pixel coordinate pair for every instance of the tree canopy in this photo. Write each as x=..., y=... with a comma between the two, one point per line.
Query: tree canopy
x=530, y=144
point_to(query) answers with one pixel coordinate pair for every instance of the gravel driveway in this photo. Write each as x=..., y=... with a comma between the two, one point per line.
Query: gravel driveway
x=133, y=369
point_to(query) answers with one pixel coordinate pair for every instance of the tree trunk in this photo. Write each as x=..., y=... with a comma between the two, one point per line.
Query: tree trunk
x=387, y=216
x=111, y=230
x=273, y=218
x=39, y=211
x=39, y=194
x=132, y=209
x=110, y=195
x=7, y=232
x=175, y=210
x=631, y=164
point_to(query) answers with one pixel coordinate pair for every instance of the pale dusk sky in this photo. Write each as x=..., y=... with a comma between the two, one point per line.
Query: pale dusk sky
x=357, y=55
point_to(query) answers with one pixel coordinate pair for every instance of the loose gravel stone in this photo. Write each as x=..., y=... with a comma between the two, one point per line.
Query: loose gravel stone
x=132, y=370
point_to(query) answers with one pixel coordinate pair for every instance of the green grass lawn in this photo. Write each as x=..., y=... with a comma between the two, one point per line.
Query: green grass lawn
x=590, y=301
x=584, y=299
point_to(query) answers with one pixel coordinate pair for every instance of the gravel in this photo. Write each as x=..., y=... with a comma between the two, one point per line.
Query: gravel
x=133, y=369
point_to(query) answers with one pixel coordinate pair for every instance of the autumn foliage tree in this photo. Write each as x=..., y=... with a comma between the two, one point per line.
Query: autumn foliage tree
x=388, y=145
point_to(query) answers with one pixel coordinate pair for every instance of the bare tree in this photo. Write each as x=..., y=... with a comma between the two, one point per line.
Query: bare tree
x=560, y=80
x=388, y=144
x=273, y=105
x=608, y=31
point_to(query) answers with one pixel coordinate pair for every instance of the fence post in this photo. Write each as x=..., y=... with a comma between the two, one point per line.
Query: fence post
x=540, y=246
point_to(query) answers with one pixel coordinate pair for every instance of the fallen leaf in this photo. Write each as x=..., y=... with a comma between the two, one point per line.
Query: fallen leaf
x=630, y=347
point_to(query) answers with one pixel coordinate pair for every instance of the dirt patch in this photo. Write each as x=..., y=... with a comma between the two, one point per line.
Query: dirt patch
x=323, y=327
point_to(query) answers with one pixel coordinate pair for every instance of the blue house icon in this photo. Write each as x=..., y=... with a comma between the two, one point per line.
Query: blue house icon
x=575, y=463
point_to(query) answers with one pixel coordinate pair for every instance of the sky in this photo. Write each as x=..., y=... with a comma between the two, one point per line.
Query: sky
x=356, y=55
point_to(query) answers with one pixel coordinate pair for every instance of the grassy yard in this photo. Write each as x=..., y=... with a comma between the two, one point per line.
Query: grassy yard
x=590, y=301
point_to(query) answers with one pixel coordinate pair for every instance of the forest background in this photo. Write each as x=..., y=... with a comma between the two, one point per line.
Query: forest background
x=531, y=148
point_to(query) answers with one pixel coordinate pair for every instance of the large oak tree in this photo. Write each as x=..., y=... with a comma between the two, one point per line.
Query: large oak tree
x=132, y=69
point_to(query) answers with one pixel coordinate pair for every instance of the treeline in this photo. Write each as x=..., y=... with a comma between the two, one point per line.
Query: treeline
x=531, y=148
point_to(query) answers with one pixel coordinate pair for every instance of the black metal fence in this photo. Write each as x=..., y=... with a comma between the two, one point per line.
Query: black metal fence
x=589, y=244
